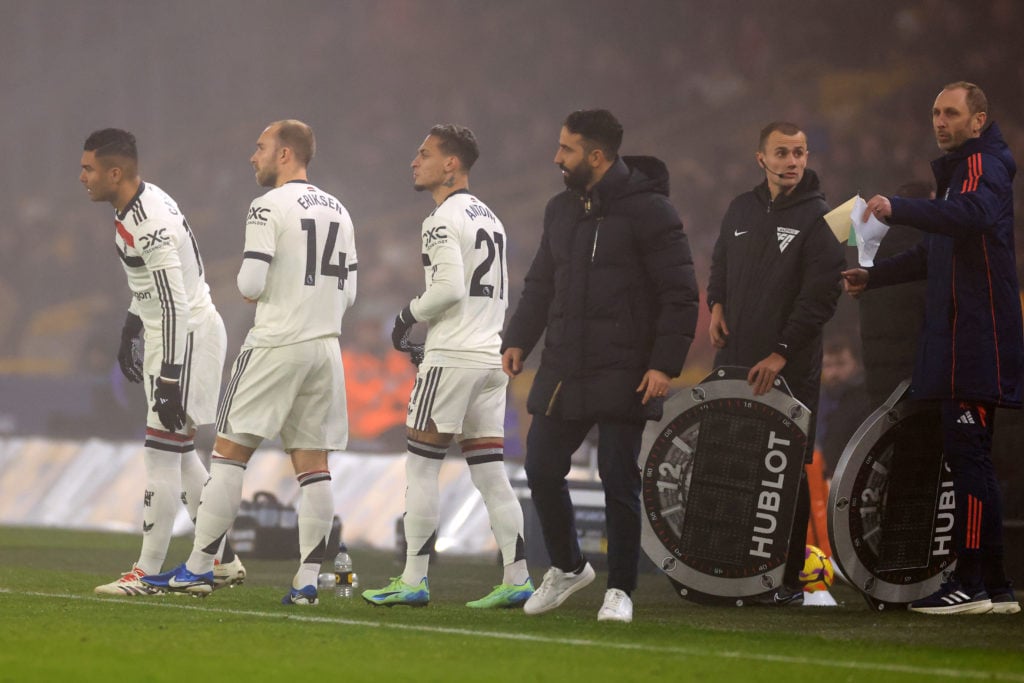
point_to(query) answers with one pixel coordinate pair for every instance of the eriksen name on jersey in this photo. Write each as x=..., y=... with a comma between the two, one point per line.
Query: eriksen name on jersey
x=308, y=200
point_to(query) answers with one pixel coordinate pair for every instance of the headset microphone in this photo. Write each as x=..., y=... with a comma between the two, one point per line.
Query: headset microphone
x=777, y=175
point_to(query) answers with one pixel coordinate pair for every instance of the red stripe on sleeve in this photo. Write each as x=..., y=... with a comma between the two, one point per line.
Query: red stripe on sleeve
x=976, y=172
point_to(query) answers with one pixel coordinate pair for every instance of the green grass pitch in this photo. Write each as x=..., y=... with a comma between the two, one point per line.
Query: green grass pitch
x=52, y=628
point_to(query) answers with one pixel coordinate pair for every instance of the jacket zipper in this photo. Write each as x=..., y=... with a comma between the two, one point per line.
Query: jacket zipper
x=597, y=231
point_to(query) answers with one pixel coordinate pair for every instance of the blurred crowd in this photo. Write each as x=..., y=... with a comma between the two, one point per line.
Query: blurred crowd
x=695, y=91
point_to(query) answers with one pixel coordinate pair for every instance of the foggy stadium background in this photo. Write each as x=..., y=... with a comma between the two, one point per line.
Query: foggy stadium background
x=692, y=83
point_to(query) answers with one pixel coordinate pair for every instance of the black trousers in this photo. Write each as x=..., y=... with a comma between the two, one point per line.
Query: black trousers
x=549, y=448
x=978, y=524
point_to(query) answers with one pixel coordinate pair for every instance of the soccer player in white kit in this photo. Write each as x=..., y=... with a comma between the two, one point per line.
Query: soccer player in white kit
x=299, y=267
x=460, y=387
x=184, y=343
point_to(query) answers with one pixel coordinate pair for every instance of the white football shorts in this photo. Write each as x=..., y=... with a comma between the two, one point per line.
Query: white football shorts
x=467, y=402
x=297, y=391
x=205, y=349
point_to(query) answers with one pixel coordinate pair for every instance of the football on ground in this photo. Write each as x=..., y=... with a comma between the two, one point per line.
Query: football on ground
x=818, y=573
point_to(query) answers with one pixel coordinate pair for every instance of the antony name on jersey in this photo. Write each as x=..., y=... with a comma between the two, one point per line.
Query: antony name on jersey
x=165, y=273
x=306, y=236
x=466, y=277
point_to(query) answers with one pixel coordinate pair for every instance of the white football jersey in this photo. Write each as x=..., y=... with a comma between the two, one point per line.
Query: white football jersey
x=165, y=273
x=307, y=237
x=463, y=239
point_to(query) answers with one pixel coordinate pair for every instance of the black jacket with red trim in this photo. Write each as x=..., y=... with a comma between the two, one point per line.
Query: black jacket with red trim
x=972, y=344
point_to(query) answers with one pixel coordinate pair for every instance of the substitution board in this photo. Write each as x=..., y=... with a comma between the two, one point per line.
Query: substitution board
x=720, y=478
x=891, y=504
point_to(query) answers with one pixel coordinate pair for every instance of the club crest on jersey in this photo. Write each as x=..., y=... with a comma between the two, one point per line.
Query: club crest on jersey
x=435, y=235
x=785, y=236
x=257, y=215
x=154, y=240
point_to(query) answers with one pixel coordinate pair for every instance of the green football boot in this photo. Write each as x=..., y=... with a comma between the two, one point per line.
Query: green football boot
x=399, y=593
x=506, y=595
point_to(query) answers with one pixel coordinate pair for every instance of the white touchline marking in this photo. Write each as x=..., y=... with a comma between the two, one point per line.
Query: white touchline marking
x=640, y=647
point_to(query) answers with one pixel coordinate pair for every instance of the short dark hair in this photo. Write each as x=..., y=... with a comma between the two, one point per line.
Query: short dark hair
x=112, y=142
x=784, y=127
x=298, y=137
x=976, y=100
x=457, y=141
x=599, y=129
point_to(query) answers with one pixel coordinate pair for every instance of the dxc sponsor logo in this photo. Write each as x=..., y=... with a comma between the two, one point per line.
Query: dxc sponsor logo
x=154, y=239
x=434, y=235
x=258, y=213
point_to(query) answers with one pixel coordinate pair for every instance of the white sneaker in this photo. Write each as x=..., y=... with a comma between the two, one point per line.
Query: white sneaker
x=819, y=599
x=129, y=584
x=228, y=574
x=556, y=589
x=617, y=607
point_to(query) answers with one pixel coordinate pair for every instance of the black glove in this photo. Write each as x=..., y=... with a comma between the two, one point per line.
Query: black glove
x=167, y=404
x=415, y=352
x=128, y=355
x=400, y=333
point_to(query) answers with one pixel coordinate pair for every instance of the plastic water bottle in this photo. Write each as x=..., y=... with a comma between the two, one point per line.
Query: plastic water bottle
x=342, y=579
x=345, y=579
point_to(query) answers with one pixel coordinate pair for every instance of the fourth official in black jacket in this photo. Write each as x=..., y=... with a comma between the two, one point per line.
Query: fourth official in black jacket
x=775, y=279
x=775, y=268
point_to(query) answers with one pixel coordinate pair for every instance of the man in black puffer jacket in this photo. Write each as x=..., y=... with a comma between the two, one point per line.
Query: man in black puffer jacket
x=775, y=279
x=612, y=284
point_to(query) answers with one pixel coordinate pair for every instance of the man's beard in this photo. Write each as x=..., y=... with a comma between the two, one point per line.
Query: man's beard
x=267, y=178
x=578, y=178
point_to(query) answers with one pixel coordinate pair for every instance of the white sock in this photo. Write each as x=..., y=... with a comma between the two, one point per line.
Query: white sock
x=487, y=470
x=422, y=507
x=193, y=478
x=316, y=513
x=160, y=506
x=221, y=498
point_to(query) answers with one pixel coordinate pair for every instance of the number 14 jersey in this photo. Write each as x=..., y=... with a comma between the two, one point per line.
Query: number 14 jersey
x=467, y=284
x=306, y=236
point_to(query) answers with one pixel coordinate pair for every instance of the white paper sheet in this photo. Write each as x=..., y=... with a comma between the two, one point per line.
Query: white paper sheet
x=869, y=233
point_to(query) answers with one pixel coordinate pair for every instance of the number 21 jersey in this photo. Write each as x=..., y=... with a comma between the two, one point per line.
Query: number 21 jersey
x=463, y=238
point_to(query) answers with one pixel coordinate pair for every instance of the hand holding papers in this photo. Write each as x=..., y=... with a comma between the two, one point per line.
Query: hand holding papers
x=869, y=233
